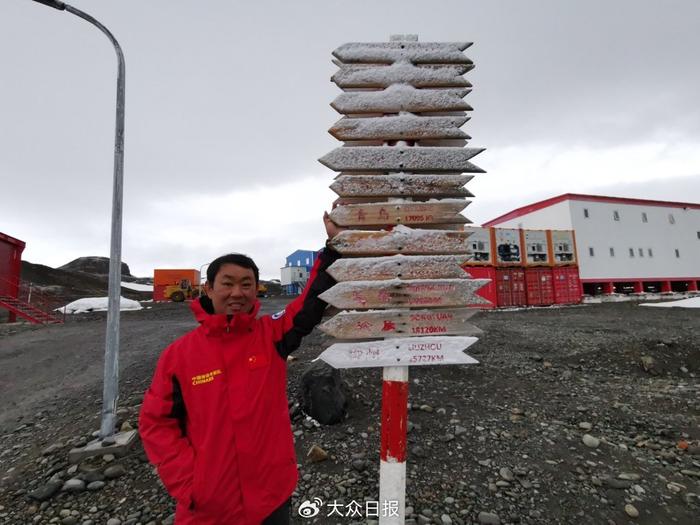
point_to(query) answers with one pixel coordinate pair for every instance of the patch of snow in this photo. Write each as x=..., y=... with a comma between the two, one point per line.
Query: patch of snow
x=138, y=287
x=693, y=302
x=96, y=304
x=401, y=97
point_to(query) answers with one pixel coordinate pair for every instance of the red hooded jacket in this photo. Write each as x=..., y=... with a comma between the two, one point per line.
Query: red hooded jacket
x=215, y=420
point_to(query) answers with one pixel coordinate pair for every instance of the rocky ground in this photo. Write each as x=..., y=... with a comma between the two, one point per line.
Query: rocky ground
x=574, y=415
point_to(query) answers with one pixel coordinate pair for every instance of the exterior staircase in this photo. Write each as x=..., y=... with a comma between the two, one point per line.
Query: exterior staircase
x=27, y=311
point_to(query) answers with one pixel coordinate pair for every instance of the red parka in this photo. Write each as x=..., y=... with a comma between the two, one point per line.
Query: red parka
x=215, y=420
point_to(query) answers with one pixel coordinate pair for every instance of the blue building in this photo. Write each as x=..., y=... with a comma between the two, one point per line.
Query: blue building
x=296, y=271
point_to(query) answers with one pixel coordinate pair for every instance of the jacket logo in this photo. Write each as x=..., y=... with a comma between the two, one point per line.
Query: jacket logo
x=277, y=315
x=205, y=378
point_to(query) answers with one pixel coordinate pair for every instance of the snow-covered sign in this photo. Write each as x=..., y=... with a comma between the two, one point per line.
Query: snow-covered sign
x=416, y=52
x=409, y=293
x=400, y=97
x=399, y=127
x=398, y=267
x=401, y=239
x=442, y=211
x=387, y=323
x=410, y=351
x=401, y=185
x=370, y=76
x=426, y=159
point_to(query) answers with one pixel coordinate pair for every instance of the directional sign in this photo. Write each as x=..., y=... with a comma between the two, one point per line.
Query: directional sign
x=401, y=185
x=416, y=52
x=399, y=267
x=407, y=293
x=401, y=239
x=373, y=76
x=399, y=127
x=402, y=212
x=385, y=323
x=400, y=97
x=372, y=158
x=400, y=352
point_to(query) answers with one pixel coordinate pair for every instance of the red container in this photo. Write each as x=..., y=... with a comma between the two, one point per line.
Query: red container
x=567, y=285
x=540, y=288
x=10, y=264
x=488, y=291
x=510, y=287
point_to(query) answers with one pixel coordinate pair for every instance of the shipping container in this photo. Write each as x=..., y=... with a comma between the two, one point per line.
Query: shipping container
x=567, y=285
x=540, y=288
x=479, y=246
x=488, y=291
x=563, y=244
x=508, y=251
x=10, y=264
x=510, y=287
x=185, y=279
x=538, y=250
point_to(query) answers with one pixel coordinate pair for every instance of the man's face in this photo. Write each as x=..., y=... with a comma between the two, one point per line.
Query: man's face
x=233, y=291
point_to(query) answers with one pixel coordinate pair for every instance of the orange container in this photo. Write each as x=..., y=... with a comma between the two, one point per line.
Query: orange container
x=167, y=277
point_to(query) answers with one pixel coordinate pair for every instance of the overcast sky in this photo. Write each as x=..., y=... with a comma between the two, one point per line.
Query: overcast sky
x=228, y=109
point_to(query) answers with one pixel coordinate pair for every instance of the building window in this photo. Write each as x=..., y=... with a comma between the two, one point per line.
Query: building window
x=651, y=254
x=644, y=217
x=591, y=252
x=298, y=262
x=678, y=254
x=641, y=252
x=307, y=261
x=585, y=213
x=631, y=252
x=671, y=219
x=616, y=215
x=612, y=252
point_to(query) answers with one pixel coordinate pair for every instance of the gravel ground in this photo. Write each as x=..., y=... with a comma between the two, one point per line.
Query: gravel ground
x=575, y=415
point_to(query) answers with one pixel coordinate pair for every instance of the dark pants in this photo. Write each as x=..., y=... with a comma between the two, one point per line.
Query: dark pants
x=281, y=515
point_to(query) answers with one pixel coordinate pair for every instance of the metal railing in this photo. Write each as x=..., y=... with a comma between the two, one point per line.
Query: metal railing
x=31, y=294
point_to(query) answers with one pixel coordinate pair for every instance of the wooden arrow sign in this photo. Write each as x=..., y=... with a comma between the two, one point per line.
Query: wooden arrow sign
x=404, y=212
x=400, y=352
x=416, y=52
x=401, y=239
x=408, y=293
x=399, y=97
x=385, y=323
x=399, y=127
x=399, y=267
x=401, y=184
x=370, y=158
x=374, y=76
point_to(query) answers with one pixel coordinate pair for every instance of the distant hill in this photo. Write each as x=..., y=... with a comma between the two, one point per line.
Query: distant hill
x=94, y=265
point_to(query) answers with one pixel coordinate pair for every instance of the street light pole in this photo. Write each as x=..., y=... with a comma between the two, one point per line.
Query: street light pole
x=111, y=371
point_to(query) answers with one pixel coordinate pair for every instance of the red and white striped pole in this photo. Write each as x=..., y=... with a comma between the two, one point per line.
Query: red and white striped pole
x=392, y=467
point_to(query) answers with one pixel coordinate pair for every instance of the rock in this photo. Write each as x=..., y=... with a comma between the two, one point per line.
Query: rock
x=114, y=521
x=108, y=458
x=445, y=519
x=46, y=491
x=95, y=485
x=618, y=483
x=426, y=408
x=126, y=426
x=74, y=485
x=585, y=425
x=506, y=474
x=322, y=396
x=359, y=465
x=590, y=441
x=694, y=473
x=69, y=520
x=52, y=449
x=460, y=430
x=631, y=511
x=114, y=471
x=649, y=364
x=489, y=518
x=316, y=454
x=630, y=476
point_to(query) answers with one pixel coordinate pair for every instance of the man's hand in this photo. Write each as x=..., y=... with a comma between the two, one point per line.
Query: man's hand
x=332, y=229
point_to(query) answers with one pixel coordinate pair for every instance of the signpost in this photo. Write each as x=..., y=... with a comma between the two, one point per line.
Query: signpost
x=405, y=98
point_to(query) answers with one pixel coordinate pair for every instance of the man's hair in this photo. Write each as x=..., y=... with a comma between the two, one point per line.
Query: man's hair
x=231, y=258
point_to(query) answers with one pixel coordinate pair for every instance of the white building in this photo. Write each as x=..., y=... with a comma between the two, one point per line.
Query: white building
x=622, y=244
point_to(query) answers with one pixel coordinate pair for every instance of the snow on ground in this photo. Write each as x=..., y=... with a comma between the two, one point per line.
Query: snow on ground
x=693, y=302
x=96, y=304
x=138, y=287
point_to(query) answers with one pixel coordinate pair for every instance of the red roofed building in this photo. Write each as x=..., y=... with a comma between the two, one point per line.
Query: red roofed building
x=623, y=245
x=10, y=267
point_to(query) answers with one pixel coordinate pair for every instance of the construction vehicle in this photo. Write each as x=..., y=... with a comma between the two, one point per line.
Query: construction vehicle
x=179, y=292
x=262, y=290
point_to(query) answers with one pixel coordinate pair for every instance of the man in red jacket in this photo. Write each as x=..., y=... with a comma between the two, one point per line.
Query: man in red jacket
x=215, y=419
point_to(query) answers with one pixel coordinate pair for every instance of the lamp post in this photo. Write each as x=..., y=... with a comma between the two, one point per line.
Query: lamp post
x=111, y=370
